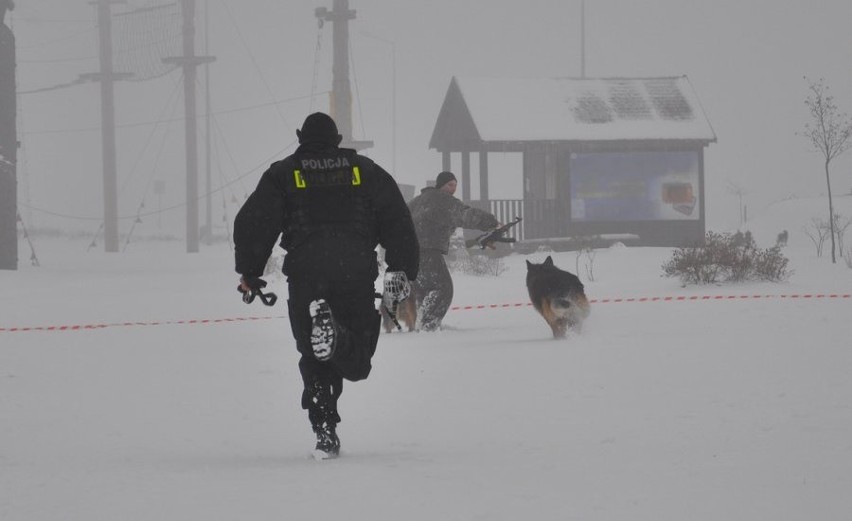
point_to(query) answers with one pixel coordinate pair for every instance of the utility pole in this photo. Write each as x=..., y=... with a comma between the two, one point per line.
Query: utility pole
x=8, y=146
x=190, y=62
x=208, y=214
x=341, y=93
x=582, y=38
x=107, y=77
x=108, y=152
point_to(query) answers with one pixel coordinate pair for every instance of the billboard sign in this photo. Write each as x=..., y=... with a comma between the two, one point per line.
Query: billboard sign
x=635, y=186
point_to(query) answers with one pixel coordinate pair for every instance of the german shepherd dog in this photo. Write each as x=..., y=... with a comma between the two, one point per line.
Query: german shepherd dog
x=406, y=313
x=558, y=296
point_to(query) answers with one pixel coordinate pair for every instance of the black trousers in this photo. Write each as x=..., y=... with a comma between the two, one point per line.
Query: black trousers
x=433, y=289
x=353, y=308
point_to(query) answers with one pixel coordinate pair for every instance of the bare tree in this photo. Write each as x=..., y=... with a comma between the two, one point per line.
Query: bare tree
x=586, y=248
x=818, y=233
x=735, y=189
x=841, y=224
x=829, y=132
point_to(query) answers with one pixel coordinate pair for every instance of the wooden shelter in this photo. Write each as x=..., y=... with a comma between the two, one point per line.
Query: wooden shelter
x=605, y=156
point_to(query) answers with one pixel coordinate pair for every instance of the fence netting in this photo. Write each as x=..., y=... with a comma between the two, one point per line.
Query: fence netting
x=143, y=37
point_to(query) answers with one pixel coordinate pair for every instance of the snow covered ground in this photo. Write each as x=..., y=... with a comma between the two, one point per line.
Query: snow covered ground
x=691, y=409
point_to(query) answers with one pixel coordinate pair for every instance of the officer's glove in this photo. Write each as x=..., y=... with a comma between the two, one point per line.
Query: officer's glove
x=396, y=289
x=250, y=286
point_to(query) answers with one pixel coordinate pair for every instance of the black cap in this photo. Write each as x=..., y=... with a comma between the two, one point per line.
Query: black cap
x=319, y=128
x=444, y=178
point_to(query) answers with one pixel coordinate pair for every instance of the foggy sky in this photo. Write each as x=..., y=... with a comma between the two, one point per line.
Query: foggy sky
x=746, y=61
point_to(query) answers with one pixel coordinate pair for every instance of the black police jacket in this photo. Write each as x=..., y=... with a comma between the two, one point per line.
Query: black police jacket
x=331, y=207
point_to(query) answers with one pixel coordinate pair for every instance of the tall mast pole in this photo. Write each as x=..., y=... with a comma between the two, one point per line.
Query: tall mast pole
x=341, y=93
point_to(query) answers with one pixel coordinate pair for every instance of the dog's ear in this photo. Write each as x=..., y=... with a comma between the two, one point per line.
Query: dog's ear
x=548, y=261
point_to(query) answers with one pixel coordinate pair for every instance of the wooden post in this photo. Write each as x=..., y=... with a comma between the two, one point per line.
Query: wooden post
x=465, y=176
x=483, y=175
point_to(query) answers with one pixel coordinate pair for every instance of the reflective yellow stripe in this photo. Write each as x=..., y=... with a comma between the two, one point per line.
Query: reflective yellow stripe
x=356, y=176
x=300, y=181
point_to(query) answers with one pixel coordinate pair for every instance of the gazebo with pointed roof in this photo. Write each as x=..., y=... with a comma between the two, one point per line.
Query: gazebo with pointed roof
x=600, y=156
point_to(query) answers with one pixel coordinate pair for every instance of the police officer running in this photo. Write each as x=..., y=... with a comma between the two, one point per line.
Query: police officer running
x=331, y=207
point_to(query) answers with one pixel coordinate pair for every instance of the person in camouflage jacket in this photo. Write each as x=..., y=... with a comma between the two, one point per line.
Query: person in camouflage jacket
x=436, y=214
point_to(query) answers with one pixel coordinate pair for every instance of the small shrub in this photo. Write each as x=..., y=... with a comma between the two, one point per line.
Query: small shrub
x=770, y=265
x=818, y=231
x=478, y=265
x=586, y=251
x=727, y=258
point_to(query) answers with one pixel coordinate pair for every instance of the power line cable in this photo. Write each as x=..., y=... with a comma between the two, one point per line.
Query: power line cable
x=262, y=165
x=141, y=206
x=58, y=60
x=357, y=91
x=171, y=107
x=171, y=101
x=146, y=123
x=225, y=183
x=58, y=40
x=78, y=81
x=33, y=257
x=254, y=62
x=94, y=242
x=34, y=21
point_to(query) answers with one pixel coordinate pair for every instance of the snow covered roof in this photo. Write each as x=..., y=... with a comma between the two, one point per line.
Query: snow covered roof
x=570, y=109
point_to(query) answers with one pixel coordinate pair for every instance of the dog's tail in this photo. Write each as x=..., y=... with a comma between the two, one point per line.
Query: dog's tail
x=577, y=304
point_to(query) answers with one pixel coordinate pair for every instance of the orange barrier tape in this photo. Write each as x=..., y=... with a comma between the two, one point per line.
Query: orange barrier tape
x=128, y=324
x=669, y=299
x=803, y=296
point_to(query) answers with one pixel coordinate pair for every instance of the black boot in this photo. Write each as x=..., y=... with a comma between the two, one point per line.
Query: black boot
x=323, y=331
x=328, y=444
x=322, y=412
